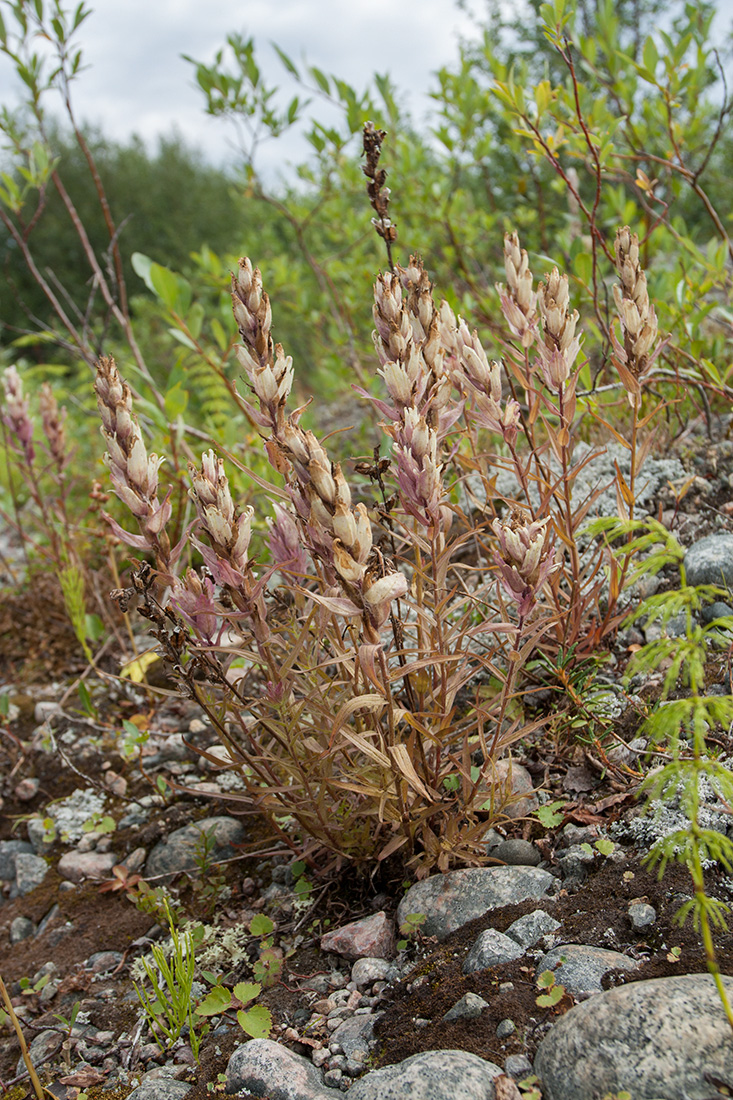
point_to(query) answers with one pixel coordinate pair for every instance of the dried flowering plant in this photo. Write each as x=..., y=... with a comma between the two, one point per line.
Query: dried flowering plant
x=343, y=676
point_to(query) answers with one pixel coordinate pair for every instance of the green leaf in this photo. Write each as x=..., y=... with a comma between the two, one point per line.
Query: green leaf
x=141, y=265
x=256, y=1021
x=321, y=79
x=165, y=284
x=651, y=56
x=247, y=991
x=261, y=925
x=216, y=1001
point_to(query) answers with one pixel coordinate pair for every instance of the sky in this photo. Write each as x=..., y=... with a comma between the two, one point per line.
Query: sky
x=137, y=81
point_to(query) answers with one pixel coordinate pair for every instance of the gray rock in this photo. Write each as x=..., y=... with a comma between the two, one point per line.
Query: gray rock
x=508, y=787
x=9, y=849
x=176, y=852
x=580, y=968
x=642, y=915
x=654, y=1038
x=717, y=610
x=505, y=1029
x=452, y=900
x=21, y=929
x=434, y=1075
x=266, y=1069
x=517, y=853
x=102, y=961
x=30, y=871
x=160, y=1088
x=517, y=1066
x=365, y=972
x=529, y=929
x=76, y=865
x=356, y=1033
x=38, y=835
x=710, y=561
x=42, y=1049
x=491, y=949
x=469, y=1007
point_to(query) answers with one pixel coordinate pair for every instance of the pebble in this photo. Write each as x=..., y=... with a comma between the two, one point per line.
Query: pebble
x=517, y=1066
x=160, y=1088
x=177, y=852
x=366, y=971
x=30, y=871
x=529, y=929
x=469, y=1007
x=517, y=853
x=580, y=968
x=505, y=1029
x=265, y=1068
x=510, y=788
x=21, y=929
x=710, y=561
x=433, y=1075
x=372, y=936
x=660, y=1037
x=491, y=949
x=76, y=865
x=452, y=900
x=9, y=850
x=642, y=915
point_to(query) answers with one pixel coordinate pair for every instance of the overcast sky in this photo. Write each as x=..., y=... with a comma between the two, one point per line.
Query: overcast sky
x=138, y=83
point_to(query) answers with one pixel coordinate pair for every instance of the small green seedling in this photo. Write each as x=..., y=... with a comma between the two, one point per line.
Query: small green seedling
x=269, y=966
x=604, y=846
x=410, y=928
x=255, y=1021
x=554, y=991
x=551, y=814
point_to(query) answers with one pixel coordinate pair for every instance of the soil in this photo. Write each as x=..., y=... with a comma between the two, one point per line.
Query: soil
x=37, y=647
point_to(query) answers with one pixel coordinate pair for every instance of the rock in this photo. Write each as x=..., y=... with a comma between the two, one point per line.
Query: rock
x=529, y=929
x=44, y=1046
x=505, y=1029
x=45, y=709
x=71, y=814
x=517, y=853
x=372, y=937
x=580, y=968
x=30, y=871
x=266, y=1069
x=176, y=852
x=507, y=778
x=452, y=900
x=27, y=789
x=717, y=610
x=9, y=850
x=40, y=838
x=491, y=949
x=434, y=1075
x=641, y=915
x=365, y=972
x=469, y=1007
x=517, y=1066
x=710, y=561
x=652, y=1038
x=160, y=1088
x=102, y=961
x=355, y=1034
x=76, y=865
x=21, y=929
